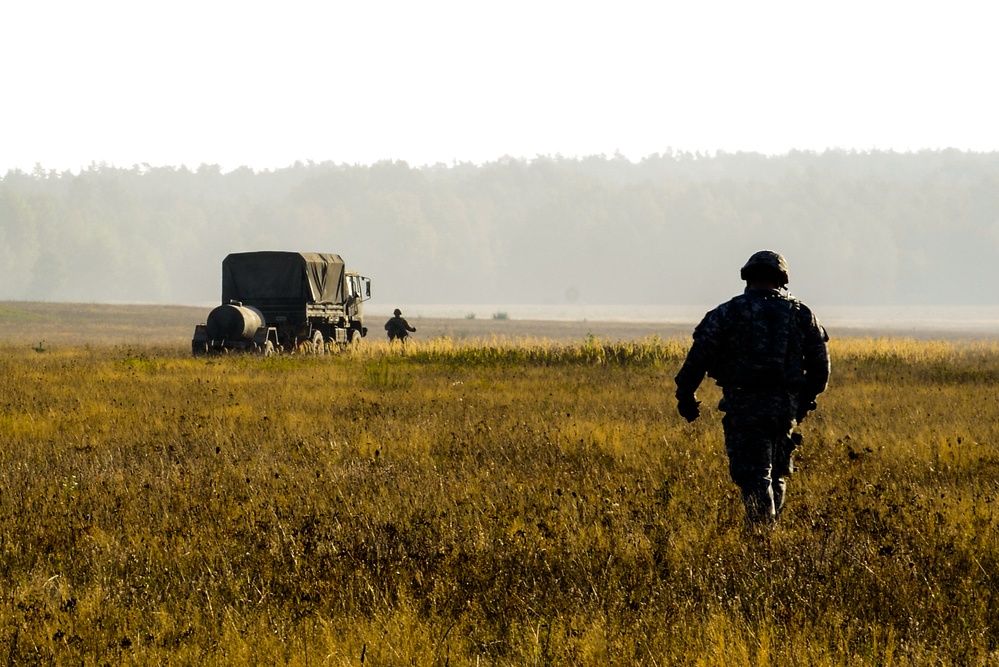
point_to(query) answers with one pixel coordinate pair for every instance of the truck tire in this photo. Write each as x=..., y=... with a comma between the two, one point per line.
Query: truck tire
x=318, y=342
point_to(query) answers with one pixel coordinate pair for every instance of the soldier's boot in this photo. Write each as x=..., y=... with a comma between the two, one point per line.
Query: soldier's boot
x=777, y=488
x=760, y=510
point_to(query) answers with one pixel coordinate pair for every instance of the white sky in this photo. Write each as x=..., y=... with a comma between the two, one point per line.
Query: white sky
x=264, y=84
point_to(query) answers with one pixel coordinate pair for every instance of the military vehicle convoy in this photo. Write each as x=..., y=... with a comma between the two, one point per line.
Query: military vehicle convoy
x=282, y=301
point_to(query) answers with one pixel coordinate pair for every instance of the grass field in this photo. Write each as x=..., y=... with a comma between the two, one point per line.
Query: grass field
x=504, y=502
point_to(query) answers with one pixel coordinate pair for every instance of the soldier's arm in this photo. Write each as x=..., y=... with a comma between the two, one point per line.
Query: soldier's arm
x=698, y=363
x=701, y=355
x=691, y=374
x=816, y=360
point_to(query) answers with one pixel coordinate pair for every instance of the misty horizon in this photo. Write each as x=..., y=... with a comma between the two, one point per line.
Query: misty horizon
x=857, y=229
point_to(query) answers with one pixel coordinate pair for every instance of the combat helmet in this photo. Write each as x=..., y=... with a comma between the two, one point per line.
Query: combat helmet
x=769, y=261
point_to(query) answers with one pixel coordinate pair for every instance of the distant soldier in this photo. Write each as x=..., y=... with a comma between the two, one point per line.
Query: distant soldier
x=398, y=328
x=768, y=353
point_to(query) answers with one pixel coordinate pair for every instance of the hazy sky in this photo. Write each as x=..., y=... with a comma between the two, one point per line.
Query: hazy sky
x=264, y=84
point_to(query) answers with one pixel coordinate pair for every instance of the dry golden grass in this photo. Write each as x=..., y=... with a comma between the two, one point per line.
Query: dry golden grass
x=503, y=502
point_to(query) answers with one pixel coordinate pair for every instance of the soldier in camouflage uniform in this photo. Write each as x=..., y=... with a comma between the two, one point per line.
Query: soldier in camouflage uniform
x=397, y=327
x=768, y=353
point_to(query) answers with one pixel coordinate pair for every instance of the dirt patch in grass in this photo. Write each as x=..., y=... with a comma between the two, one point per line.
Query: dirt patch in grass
x=36, y=323
x=97, y=324
x=110, y=324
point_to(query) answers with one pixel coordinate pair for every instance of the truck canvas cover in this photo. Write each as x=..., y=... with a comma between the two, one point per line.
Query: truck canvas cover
x=311, y=277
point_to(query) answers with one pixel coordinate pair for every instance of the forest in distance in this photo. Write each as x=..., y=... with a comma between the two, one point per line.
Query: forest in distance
x=876, y=228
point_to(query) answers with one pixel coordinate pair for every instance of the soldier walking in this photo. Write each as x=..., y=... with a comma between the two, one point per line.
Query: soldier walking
x=768, y=353
x=397, y=327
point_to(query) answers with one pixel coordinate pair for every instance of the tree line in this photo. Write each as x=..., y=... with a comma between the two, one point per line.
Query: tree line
x=858, y=228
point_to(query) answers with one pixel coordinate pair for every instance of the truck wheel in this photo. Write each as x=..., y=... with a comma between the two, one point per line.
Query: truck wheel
x=318, y=343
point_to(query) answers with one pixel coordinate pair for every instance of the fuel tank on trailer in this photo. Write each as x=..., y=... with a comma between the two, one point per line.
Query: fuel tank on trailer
x=232, y=321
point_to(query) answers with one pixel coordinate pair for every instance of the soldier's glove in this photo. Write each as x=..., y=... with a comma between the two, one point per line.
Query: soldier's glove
x=688, y=407
x=803, y=409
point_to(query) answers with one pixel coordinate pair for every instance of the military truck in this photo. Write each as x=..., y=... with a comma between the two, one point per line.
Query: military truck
x=283, y=301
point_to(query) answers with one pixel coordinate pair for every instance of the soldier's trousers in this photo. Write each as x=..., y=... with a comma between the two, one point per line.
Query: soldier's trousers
x=759, y=458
